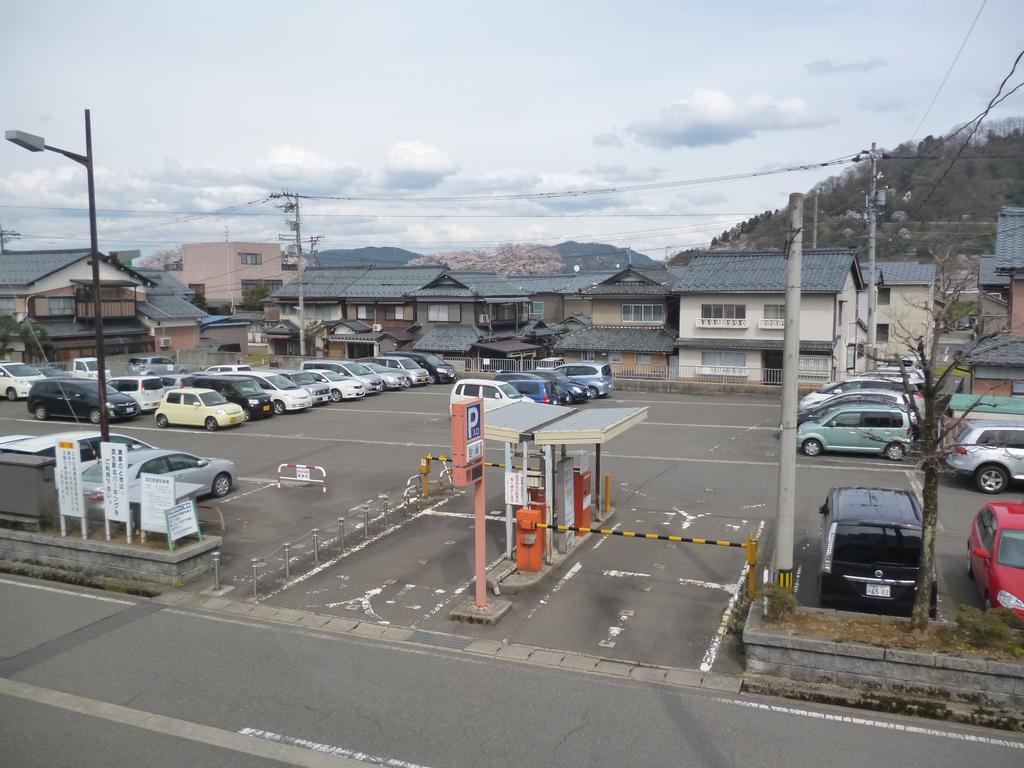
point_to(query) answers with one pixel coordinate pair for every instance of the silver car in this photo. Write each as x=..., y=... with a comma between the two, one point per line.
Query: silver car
x=420, y=376
x=989, y=452
x=318, y=390
x=216, y=476
x=393, y=378
x=371, y=380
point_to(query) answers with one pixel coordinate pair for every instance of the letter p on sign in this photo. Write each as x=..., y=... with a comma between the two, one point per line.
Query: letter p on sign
x=473, y=411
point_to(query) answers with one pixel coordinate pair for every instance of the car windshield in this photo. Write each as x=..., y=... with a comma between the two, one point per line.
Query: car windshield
x=434, y=360
x=560, y=376
x=279, y=381
x=409, y=365
x=152, y=384
x=358, y=369
x=249, y=387
x=331, y=375
x=303, y=378
x=378, y=368
x=1011, y=549
x=213, y=398
x=20, y=369
x=90, y=365
x=508, y=389
x=112, y=391
x=878, y=545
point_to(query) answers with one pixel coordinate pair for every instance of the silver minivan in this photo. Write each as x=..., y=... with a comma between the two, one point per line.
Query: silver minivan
x=989, y=452
x=420, y=376
x=371, y=380
x=860, y=428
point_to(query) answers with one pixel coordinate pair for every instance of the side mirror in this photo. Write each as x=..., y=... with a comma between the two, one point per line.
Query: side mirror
x=823, y=509
x=196, y=405
x=981, y=552
x=203, y=463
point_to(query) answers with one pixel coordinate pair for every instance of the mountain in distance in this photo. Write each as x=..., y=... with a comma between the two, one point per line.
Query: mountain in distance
x=590, y=257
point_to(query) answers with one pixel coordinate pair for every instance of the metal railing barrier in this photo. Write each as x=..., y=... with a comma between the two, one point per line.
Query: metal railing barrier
x=302, y=474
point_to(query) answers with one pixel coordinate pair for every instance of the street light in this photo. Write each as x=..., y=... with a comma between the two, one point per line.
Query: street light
x=35, y=143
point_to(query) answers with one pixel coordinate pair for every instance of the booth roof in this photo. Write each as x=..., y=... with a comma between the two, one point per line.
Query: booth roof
x=558, y=425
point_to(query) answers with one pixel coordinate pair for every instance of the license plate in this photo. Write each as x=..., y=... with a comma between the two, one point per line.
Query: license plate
x=878, y=590
x=266, y=407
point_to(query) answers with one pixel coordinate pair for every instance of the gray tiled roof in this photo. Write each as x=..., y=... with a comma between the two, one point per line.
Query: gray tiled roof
x=166, y=284
x=1010, y=240
x=987, y=277
x=27, y=267
x=824, y=270
x=455, y=338
x=627, y=288
x=906, y=273
x=476, y=285
x=58, y=329
x=358, y=282
x=618, y=340
x=164, y=307
x=559, y=284
x=1001, y=350
x=750, y=345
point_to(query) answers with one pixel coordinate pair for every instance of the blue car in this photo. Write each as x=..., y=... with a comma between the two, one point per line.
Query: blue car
x=542, y=391
x=596, y=377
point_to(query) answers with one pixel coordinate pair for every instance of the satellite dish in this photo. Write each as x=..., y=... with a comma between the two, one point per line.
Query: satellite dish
x=576, y=268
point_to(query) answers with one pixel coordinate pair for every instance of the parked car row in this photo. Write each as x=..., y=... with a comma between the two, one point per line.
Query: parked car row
x=565, y=384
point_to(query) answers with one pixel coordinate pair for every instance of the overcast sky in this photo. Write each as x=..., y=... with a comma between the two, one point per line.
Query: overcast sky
x=200, y=106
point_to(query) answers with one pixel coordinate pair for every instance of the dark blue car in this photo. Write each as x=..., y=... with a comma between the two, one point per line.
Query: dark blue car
x=542, y=391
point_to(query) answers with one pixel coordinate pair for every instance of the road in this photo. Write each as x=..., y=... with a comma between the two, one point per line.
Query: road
x=90, y=679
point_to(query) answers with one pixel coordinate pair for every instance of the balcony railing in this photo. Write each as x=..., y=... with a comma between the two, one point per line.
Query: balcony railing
x=721, y=322
x=84, y=308
x=771, y=324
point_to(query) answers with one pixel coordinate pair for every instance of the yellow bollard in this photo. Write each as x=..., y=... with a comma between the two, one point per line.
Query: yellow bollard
x=607, y=495
x=425, y=475
x=752, y=563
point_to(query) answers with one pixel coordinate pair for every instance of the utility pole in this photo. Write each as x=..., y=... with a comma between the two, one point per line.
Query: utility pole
x=302, y=297
x=814, y=223
x=872, y=281
x=790, y=368
x=5, y=235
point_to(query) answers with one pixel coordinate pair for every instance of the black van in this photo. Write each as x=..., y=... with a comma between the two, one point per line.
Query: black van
x=871, y=551
x=441, y=371
x=78, y=399
x=241, y=390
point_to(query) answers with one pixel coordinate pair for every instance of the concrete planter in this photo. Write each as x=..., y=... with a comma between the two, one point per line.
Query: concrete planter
x=770, y=651
x=92, y=557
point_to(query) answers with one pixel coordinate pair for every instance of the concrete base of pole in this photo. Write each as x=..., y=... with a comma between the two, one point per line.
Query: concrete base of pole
x=466, y=611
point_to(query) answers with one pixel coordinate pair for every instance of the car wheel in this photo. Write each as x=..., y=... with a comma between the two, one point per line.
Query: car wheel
x=94, y=416
x=279, y=408
x=161, y=421
x=41, y=413
x=211, y=424
x=811, y=447
x=593, y=392
x=991, y=478
x=970, y=568
x=335, y=395
x=433, y=378
x=221, y=485
x=894, y=451
x=247, y=414
x=12, y=393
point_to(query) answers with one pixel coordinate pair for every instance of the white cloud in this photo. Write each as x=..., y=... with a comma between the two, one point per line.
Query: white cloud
x=832, y=67
x=882, y=104
x=711, y=116
x=609, y=139
x=415, y=165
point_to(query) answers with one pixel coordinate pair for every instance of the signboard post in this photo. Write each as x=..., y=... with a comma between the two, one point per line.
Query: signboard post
x=467, y=456
x=158, y=495
x=568, y=516
x=181, y=520
x=69, y=486
x=116, y=506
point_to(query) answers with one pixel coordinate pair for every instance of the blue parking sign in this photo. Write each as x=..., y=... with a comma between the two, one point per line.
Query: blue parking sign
x=473, y=421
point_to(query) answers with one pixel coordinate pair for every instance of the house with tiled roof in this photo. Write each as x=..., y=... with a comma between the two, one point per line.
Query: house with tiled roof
x=731, y=315
x=632, y=323
x=1010, y=261
x=997, y=365
x=53, y=288
x=906, y=292
x=167, y=310
x=993, y=297
x=556, y=297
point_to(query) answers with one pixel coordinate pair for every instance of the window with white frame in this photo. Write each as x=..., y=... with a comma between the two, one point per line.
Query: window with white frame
x=395, y=312
x=723, y=311
x=816, y=364
x=444, y=313
x=587, y=357
x=774, y=311
x=61, y=305
x=643, y=313
x=366, y=312
x=251, y=258
x=536, y=310
x=720, y=357
x=643, y=358
x=7, y=304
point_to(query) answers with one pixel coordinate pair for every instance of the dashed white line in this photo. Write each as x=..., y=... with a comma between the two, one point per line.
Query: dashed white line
x=327, y=749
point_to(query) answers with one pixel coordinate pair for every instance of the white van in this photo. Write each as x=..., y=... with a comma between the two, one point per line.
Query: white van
x=147, y=391
x=496, y=394
x=550, y=363
x=16, y=379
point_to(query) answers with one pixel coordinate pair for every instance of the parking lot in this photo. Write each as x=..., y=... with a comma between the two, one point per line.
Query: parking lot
x=699, y=467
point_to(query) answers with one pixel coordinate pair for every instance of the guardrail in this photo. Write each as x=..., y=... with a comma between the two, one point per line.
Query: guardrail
x=426, y=461
x=302, y=474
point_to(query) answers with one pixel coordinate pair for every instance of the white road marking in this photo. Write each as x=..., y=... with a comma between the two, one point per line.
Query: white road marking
x=327, y=749
x=86, y=595
x=707, y=584
x=884, y=724
x=237, y=496
x=716, y=642
x=561, y=583
x=626, y=574
x=602, y=539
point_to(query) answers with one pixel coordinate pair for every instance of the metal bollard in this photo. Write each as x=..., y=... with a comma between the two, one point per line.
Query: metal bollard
x=216, y=571
x=255, y=576
x=341, y=535
x=387, y=516
x=287, y=562
x=316, y=546
x=366, y=522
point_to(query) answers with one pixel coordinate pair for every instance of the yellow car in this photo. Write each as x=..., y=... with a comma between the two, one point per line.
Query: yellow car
x=197, y=408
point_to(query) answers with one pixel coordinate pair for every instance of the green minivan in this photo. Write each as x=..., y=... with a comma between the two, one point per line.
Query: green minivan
x=858, y=428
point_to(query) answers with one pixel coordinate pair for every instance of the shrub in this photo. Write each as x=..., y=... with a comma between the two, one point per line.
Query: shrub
x=779, y=602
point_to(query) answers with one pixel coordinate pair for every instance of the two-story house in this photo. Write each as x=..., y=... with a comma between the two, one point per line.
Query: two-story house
x=554, y=298
x=632, y=314
x=167, y=310
x=993, y=314
x=223, y=273
x=732, y=315
x=906, y=296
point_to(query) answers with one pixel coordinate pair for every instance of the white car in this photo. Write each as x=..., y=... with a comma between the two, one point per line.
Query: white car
x=147, y=391
x=496, y=394
x=550, y=363
x=16, y=379
x=86, y=368
x=234, y=368
x=850, y=385
x=286, y=394
x=393, y=378
x=88, y=444
x=342, y=387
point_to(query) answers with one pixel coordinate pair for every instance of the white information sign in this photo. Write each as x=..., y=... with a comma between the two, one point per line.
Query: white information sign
x=69, y=480
x=474, y=451
x=115, y=482
x=182, y=520
x=158, y=496
x=515, y=489
x=302, y=472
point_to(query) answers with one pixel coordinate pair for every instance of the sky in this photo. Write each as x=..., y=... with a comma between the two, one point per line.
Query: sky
x=452, y=125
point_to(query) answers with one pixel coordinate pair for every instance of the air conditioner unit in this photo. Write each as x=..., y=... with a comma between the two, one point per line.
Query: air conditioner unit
x=165, y=343
x=377, y=327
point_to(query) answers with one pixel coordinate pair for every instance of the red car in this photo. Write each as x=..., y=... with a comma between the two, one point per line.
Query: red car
x=995, y=555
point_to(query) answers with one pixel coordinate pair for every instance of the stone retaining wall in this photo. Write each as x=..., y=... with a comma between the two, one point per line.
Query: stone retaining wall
x=872, y=668
x=102, y=558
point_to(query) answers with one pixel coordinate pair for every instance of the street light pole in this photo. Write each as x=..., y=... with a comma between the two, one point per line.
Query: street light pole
x=37, y=144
